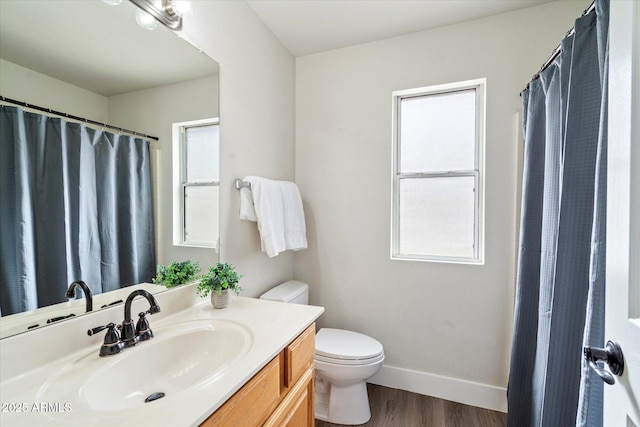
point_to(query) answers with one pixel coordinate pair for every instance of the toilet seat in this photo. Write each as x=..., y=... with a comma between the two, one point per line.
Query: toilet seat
x=347, y=347
x=348, y=362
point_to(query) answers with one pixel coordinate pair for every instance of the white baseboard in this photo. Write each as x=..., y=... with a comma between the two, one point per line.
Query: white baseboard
x=456, y=390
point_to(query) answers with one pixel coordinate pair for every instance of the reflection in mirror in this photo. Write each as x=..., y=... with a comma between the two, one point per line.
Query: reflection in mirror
x=107, y=69
x=196, y=180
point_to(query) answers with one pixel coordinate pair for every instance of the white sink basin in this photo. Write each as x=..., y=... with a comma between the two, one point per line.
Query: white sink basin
x=180, y=357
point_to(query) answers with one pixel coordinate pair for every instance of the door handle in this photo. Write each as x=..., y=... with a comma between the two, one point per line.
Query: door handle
x=611, y=355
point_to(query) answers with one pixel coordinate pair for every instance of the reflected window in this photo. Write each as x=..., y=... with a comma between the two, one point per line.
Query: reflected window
x=438, y=149
x=196, y=182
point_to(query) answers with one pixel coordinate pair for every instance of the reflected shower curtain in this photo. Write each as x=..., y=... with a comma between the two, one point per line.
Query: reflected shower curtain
x=76, y=205
x=560, y=284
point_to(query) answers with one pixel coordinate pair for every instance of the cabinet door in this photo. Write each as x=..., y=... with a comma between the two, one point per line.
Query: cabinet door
x=296, y=410
x=299, y=355
x=252, y=403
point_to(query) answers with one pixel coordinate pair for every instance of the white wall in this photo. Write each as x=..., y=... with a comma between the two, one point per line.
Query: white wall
x=23, y=84
x=257, y=76
x=446, y=328
x=152, y=111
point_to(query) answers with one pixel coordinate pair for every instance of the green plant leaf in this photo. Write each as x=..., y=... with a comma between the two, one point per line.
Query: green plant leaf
x=176, y=273
x=221, y=276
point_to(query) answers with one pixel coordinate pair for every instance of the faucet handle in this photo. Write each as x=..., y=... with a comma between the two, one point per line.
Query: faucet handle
x=97, y=329
x=112, y=344
x=143, y=330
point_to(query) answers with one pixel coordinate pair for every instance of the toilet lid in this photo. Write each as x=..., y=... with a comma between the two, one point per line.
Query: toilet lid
x=341, y=344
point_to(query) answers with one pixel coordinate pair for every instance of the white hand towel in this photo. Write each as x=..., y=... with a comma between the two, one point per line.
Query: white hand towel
x=277, y=207
x=295, y=230
x=247, y=210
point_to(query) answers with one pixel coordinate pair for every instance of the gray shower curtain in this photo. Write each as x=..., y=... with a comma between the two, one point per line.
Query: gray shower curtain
x=76, y=205
x=560, y=283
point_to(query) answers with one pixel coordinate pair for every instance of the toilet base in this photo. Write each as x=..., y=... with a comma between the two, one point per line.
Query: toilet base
x=342, y=405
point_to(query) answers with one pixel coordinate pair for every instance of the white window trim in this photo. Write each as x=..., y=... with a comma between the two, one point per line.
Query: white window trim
x=178, y=167
x=480, y=86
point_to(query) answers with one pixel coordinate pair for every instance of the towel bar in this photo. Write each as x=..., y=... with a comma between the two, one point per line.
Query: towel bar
x=240, y=183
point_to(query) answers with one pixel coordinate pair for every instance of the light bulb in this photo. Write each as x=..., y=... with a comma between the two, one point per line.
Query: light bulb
x=145, y=20
x=181, y=8
x=112, y=2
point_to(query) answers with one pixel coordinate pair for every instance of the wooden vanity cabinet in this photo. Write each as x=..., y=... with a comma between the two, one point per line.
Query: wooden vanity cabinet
x=281, y=394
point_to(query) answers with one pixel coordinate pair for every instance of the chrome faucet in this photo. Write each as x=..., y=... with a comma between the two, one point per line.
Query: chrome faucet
x=130, y=336
x=71, y=293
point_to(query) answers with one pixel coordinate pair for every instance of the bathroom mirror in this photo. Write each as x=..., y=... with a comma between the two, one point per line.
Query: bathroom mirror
x=116, y=73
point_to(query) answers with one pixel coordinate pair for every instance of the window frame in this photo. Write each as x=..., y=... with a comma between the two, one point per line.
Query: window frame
x=180, y=183
x=479, y=85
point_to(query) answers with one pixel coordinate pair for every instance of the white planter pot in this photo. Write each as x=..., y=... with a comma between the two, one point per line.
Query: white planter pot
x=221, y=300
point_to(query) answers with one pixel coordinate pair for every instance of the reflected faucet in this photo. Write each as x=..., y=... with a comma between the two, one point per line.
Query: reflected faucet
x=131, y=336
x=71, y=293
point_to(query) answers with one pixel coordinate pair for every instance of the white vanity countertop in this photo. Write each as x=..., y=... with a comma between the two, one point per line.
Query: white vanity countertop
x=272, y=326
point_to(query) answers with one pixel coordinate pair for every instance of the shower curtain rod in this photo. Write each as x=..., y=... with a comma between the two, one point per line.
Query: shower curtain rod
x=80, y=119
x=556, y=51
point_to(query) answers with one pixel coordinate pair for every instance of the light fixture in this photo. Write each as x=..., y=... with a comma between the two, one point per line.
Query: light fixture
x=168, y=12
x=112, y=2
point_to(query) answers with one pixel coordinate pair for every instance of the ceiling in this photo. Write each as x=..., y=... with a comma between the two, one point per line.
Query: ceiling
x=311, y=26
x=102, y=49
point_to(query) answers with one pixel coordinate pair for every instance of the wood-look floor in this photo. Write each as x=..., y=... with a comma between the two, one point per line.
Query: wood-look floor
x=399, y=408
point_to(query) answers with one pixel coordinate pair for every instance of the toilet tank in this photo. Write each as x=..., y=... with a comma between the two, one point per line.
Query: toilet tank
x=293, y=291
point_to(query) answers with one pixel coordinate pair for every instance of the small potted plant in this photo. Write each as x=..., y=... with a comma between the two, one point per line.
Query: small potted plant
x=176, y=273
x=220, y=279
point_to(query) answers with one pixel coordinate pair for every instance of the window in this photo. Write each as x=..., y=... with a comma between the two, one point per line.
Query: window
x=196, y=177
x=438, y=159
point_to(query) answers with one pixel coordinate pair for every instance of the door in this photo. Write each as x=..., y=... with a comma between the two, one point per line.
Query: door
x=622, y=400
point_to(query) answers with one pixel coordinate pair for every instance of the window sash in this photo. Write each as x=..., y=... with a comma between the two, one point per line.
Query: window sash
x=435, y=138
x=476, y=229
x=184, y=143
x=183, y=206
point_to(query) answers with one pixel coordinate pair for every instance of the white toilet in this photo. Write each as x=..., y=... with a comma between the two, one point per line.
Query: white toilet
x=344, y=361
